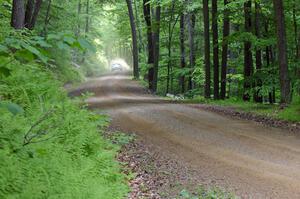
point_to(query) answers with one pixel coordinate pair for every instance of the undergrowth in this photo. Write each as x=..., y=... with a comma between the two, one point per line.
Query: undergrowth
x=203, y=193
x=53, y=148
x=289, y=113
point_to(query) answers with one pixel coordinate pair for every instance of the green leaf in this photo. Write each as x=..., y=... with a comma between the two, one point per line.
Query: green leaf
x=35, y=51
x=12, y=107
x=24, y=55
x=86, y=45
x=5, y=71
x=3, y=48
x=30, y=48
x=184, y=193
x=69, y=40
x=62, y=46
x=53, y=36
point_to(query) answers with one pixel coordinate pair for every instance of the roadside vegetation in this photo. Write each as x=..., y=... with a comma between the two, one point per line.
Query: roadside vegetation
x=203, y=193
x=290, y=113
x=51, y=146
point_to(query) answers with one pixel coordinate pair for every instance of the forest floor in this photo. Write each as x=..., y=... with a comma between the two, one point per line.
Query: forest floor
x=180, y=146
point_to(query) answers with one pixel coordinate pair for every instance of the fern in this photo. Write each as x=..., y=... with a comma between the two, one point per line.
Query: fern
x=67, y=158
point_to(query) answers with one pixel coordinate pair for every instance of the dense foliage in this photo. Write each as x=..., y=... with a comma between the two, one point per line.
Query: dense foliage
x=53, y=148
x=243, y=55
x=50, y=145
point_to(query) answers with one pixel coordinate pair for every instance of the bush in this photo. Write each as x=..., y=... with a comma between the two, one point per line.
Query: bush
x=53, y=149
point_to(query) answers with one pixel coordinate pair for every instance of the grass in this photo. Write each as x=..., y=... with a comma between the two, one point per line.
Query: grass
x=203, y=193
x=290, y=113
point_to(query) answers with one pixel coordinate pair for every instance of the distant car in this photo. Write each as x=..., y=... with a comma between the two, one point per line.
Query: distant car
x=116, y=67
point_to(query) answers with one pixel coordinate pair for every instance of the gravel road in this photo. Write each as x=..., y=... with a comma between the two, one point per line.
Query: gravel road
x=249, y=159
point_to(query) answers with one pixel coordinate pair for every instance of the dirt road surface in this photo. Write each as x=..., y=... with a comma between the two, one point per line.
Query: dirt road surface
x=244, y=157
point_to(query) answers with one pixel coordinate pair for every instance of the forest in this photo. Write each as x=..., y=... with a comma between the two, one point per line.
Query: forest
x=247, y=50
x=243, y=55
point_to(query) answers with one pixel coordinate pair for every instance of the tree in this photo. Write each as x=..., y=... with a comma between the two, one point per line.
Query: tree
x=18, y=14
x=135, y=51
x=156, y=38
x=170, y=37
x=138, y=25
x=226, y=31
x=258, y=54
x=215, y=47
x=191, y=28
x=31, y=14
x=269, y=58
x=47, y=18
x=248, y=60
x=285, y=89
x=87, y=18
x=182, y=52
x=206, y=48
x=150, y=43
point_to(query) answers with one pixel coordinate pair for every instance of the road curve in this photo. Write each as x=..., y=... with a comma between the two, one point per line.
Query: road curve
x=244, y=157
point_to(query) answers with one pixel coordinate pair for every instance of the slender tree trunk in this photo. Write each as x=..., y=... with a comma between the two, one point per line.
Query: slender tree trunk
x=78, y=18
x=134, y=40
x=215, y=47
x=147, y=16
x=226, y=31
x=138, y=24
x=170, y=33
x=282, y=52
x=269, y=60
x=248, y=60
x=18, y=14
x=47, y=18
x=272, y=96
x=29, y=12
x=258, y=54
x=182, y=52
x=297, y=36
x=297, y=47
x=156, y=38
x=191, y=26
x=206, y=47
x=87, y=19
x=35, y=14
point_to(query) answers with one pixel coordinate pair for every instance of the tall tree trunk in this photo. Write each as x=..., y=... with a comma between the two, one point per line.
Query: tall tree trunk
x=269, y=60
x=215, y=47
x=29, y=12
x=182, y=52
x=226, y=31
x=47, y=18
x=191, y=26
x=170, y=35
x=135, y=51
x=87, y=19
x=147, y=16
x=156, y=38
x=258, y=54
x=138, y=26
x=206, y=47
x=297, y=48
x=36, y=11
x=248, y=60
x=78, y=17
x=18, y=14
x=282, y=52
